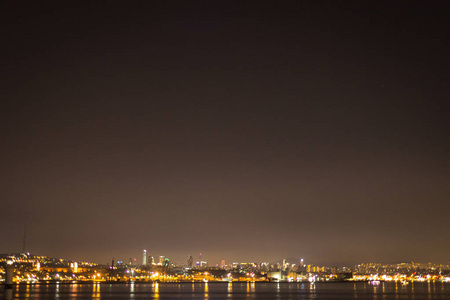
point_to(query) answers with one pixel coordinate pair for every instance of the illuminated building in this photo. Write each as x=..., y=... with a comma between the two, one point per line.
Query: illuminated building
x=144, y=258
x=161, y=260
x=190, y=261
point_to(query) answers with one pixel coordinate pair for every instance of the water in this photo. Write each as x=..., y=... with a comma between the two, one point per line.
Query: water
x=236, y=290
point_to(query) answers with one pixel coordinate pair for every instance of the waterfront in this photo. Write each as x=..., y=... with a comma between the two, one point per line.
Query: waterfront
x=235, y=290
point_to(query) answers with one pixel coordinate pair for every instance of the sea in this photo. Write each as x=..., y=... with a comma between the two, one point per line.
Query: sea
x=231, y=290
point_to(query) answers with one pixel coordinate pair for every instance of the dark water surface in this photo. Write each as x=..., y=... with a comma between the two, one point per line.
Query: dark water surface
x=218, y=290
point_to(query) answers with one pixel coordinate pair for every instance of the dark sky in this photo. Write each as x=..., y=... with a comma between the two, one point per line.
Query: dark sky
x=248, y=131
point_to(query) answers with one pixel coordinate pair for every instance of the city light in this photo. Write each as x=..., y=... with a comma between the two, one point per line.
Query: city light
x=33, y=268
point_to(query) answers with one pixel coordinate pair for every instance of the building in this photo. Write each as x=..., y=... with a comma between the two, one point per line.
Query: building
x=190, y=261
x=144, y=258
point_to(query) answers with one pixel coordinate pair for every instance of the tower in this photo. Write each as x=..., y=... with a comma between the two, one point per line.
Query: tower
x=144, y=258
x=190, y=261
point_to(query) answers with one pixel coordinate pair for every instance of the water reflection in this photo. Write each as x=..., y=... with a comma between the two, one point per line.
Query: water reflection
x=312, y=290
x=132, y=289
x=278, y=289
x=206, y=290
x=96, y=291
x=156, y=290
x=57, y=290
x=230, y=290
x=74, y=289
x=27, y=291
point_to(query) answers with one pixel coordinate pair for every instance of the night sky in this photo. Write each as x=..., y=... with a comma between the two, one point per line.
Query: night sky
x=248, y=131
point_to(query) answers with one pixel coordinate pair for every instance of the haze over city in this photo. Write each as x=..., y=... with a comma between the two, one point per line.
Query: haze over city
x=246, y=131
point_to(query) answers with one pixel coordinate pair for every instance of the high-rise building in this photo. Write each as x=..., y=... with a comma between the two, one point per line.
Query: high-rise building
x=161, y=260
x=190, y=261
x=152, y=260
x=144, y=258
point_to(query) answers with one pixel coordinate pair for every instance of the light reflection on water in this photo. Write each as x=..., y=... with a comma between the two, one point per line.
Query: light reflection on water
x=132, y=289
x=27, y=293
x=74, y=289
x=206, y=291
x=312, y=290
x=229, y=290
x=96, y=291
x=57, y=290
x=156, y=290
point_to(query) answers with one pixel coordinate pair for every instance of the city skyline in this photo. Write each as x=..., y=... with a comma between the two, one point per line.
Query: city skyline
x=38, y=260
x=26, y=275
x=240, y=130
x=196, y=260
